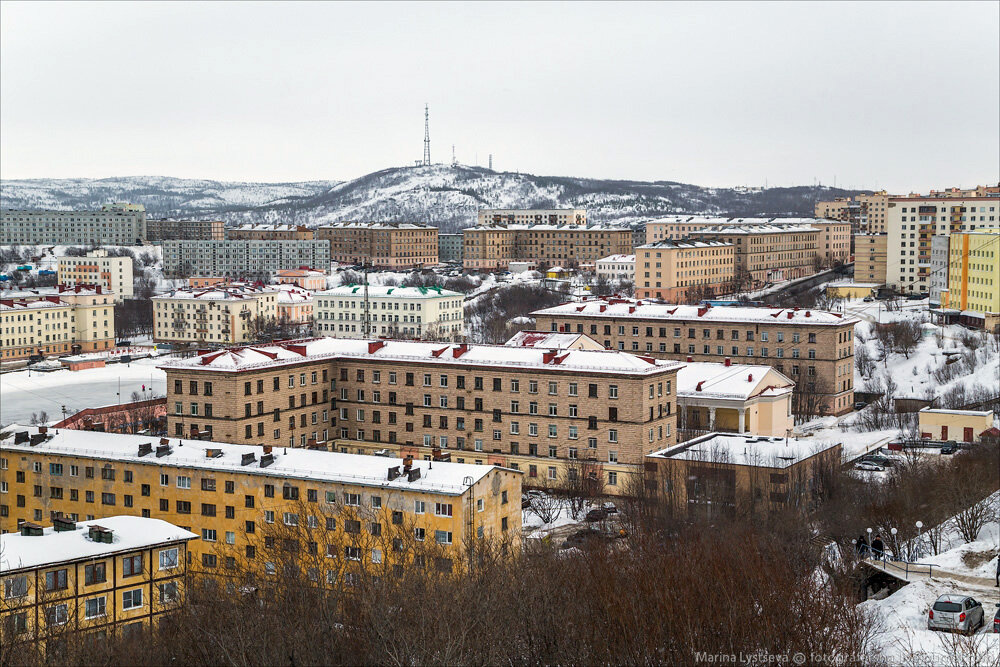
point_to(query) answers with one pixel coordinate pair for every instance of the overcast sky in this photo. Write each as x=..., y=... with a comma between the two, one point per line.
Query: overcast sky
x=898, y=95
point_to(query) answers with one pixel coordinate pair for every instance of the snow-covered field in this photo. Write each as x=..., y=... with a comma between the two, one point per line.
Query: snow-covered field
x=23, y=393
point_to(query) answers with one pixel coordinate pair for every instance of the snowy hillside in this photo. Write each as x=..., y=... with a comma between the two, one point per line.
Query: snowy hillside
x=444, y=196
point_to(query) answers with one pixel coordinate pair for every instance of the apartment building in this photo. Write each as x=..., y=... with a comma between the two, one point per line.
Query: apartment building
x=675, y=270
x=56, y=320
x=514, y=216
x=186, y=230
x=387, y=245
x=304, y=277
x=866, y=213
x=545, y=412
x=114, y=274
x=100, y=577
x=767, y=253
x=494, y=247
x=912, y=222
x=727, y=474
x=408, y=312
x=221, y=315
x=265, y=232
x=114, y=224
x=814, y=348
x=616, y=267
x=328, y=513
x=870, y=258
x=938, y=278
x=294, y=307
x=241, y=259
x=450, y=248
x=974, y=277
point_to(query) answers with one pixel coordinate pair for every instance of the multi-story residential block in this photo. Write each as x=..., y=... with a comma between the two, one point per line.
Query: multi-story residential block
x=911, y=223
x=739, y=398
x=546, y=412
x=974, y=277
x=185, y=230
x=116, y=574
x=978, y=191
x=516, y=216
x=410, y=312
x=114, y=274
x=938, y=278
x=616, y=267
x=493, y=247
x=674, y=228
x=388, y=245
x=265, y=232
x=866, y=214
x=814, y=348
x=56, y=320
x=241, y=259
x=330, y=513
x=294, y=307
x=870, y=258
x=304, y=277
x=221, y=315
x=676, y=270
x=450, y=248
x=769, y=253
x=114, y=224
x=725, y=474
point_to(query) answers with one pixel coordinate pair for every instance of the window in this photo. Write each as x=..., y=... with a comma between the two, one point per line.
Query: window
x=290, y=519
x=57, y=614
x=132, y=599
x=419, y=534
x=183, y=482
x=15, y=587
x=95, y=573
x=353, y=499
x=442, y=536
x=55, y=580
x=168, y=559
x=442, y=509
x=168, y=592
x=208, y=534
x=613, y=391
x=419, y=507
x=95, y=607
x=131, y=566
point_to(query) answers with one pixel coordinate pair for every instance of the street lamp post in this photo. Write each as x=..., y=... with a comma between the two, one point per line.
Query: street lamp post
x=871, y=552
x=919, y=524
x=895, y=543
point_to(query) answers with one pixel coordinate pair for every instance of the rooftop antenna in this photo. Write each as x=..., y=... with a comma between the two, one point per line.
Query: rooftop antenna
x=454, y=162
x=491, y=161
x=427, y=135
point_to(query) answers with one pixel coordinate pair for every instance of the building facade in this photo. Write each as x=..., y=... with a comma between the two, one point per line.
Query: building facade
x=185, y=230
x=938, y=278
x=616, y=267
x=114, y=274
x=494, y=247
x=265, y=232
x=973, y=269
x=241, y=259
x=766, y=253
x=450, y=248
x=514, y=216
x=332, y=512
x=870, y=258
x=56, y=320
x=114, y=224
x=394, y=312
x=306, y=278
x=220, y=315
x=813, y=348
x=403, y=245
x=676, y=270
x=737, y=398
x=866, y=214
x=545, y=412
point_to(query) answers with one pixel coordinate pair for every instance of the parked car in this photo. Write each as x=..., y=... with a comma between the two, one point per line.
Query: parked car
x=956, y=613
x=859, y=405
x=609, y=508
x=914, y=297
x=996, y=620
x=868, y=465
x=597, y=515
x=879, y=460
x=948, y=449
x=868, y=299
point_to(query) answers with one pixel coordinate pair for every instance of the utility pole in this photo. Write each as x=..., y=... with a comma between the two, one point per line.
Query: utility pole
x=427, y=135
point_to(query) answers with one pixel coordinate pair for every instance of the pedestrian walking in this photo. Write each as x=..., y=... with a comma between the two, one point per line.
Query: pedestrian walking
x=878, y=548
x=862, y=546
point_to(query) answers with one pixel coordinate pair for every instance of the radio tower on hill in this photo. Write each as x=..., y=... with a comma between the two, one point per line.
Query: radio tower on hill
x=427, y=136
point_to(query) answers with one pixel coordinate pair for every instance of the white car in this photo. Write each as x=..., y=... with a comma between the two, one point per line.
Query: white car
x=868, y=465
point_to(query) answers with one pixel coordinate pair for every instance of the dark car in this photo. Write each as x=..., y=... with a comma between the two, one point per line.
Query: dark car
x=859, y=405
x=597, y=515
x=996, y=620
x=914, y=297
x=878, y=459
x=948, y=449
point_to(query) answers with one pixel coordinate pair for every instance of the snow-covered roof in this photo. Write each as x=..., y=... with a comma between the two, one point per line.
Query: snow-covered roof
x=267, y=227
x=10, y=304
x=376, y=225
x=290, y=294
x=216, y=293
x=967, y=413
x=640, y=309
x=58, y=290
x=378, y=291
x=552, y=340
x=851, y=283
x=709, y=221
x=488, y=356
x=290, y=462
x=736, y=381
x=758, y=229
x=617, y=258
x=128, y=533
x=746, y=450
x=299, y=273
x=542, y=227
x=686, y=243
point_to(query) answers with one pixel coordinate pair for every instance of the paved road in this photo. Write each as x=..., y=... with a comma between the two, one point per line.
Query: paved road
x=923, y=572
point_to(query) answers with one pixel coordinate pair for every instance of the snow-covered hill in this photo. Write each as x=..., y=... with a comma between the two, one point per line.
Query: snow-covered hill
x=446, y=196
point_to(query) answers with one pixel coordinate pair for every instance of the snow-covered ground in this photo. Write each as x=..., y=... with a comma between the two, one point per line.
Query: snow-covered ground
x=23, y=393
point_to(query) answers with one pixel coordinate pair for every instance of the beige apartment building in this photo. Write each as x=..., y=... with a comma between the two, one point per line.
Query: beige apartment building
x=114, y=274
x=913, y=221
x=766, y=253
x=185, y=230
x=408, y=312
x=114, y=224
x=550, y=413
x=675, y=270
x=264, y=232
x=814, y=348
x=866, y=214
x=387, y=245
x=56, y=320
x=494, y=247
x=870, y=258
x=514, y=216
x=221, y=315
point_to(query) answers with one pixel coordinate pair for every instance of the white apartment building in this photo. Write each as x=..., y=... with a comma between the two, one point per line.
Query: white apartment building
x=97, y=268
x=114, y=224
x=939, y=268
x=395, y=312
x=616, y=267
x=913, y=221
x=223, y=315
x=532, y=216
x=241, y=259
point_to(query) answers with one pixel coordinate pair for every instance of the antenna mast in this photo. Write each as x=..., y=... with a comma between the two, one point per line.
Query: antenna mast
x=427, y=135
x=454, y=162
x=491, y=161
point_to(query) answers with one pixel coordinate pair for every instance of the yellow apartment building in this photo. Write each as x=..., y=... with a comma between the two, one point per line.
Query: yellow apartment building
x=870, y=258
x=737, y=398
x=493, y=247
x=254, y=506
x=56, y=320
x=119, y=574
x=769, y=253
x=386, y=245
x=974, y=274
x=114, y=274
x=673, y=270
x=513, y=216
x=266, y=232
x=222, y=314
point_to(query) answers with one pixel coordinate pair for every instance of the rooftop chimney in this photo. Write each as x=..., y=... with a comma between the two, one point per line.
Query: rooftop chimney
x=728, y=362
x=375, y=345
x=145, y=448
